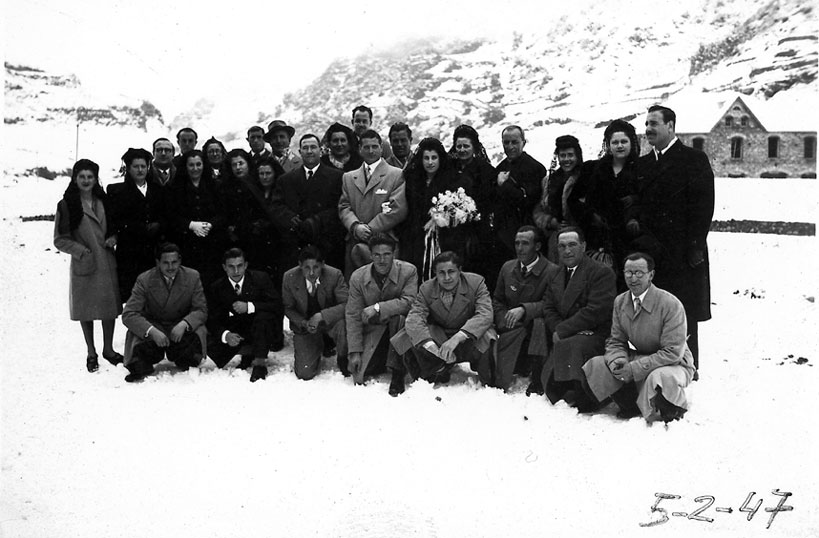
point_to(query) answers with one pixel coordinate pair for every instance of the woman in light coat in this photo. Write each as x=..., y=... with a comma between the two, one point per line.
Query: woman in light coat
x=83, y=229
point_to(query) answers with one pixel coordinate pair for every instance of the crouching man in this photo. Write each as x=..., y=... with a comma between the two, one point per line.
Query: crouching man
x=314, y=296
x=523, y=342
x=243, y=305
x=166, y=307
x=381, y=294
x=647, y=363
x=450, y=321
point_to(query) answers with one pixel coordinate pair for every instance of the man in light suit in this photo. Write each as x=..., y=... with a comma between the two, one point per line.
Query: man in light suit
x=675, y=208
x=314, y=297
x=306, y=202
x=450, y=321
x=647, y=363
x=518, y=306
x=243, y=305
x=278, y=135
x=372, y=201
x=381, y=294
x=166, y=309
x=577, y=311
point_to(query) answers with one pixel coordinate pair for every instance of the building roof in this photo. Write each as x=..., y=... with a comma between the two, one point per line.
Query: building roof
x=701, y=112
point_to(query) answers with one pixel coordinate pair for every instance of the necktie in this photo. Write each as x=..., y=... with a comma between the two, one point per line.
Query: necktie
x=309, y=175
x=447, y=298
x=237, y=289
x=367, y=173
x=638, y=306
x=568, y=277
x=523, y=270
x=310, y=287
x=657, y=154
x=164, y=174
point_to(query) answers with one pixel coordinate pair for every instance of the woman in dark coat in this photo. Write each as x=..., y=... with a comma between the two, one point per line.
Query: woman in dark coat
x=199, y=223
x=82, y=228
x=216, y=160
x=474, y=170
x=343, y=145
x=429, y=173
x=603, y=196
x=138, y=214
x=235, y=190
x=553, y=212
x=261, y=237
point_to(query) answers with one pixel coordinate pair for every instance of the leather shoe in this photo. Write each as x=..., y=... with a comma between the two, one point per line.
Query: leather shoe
x=535, y=387
x=138, y=370
x=397, y=383
x=91, y=363
x=259, y=372
x=246, y=362
x=114, y=359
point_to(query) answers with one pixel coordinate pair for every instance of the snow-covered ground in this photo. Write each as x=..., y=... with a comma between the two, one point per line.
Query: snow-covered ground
x=208, y=454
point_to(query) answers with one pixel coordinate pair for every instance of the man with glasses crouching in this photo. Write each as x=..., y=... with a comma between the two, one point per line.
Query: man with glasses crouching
x=647, y=363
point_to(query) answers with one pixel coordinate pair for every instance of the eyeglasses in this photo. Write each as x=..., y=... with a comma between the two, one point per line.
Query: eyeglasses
x=638, y=274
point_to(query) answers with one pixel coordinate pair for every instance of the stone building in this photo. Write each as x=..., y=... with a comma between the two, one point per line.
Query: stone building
x=762, y=140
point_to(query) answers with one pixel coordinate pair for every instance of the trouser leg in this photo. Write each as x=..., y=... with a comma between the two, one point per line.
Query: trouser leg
x=693, y=340
x=187, y=352
x=307, y=354
x=378, y=361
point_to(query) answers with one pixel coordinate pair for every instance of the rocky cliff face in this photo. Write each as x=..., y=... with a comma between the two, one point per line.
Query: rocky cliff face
x=584, y=70
x=33, y=96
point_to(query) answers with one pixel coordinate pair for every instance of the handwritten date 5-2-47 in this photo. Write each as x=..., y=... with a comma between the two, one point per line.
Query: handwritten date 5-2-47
x=707, y=501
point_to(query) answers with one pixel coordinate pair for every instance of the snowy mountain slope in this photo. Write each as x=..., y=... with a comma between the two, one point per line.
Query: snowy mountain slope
x=582, y=70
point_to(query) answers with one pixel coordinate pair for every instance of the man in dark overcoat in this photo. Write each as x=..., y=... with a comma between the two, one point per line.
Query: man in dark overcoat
x=676, y=206
x=577, y=309
x=306, y=202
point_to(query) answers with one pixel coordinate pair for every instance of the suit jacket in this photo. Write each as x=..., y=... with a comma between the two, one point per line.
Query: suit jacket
x=363, y=201
x=291, y=161
x=658, y=333
x=429, y=318
x=257, y=288
x=675, y=211
x=513, y=290
x=315, y=203
x=515, y=200
x=585, y=304
x=395, y=299
x=332, y=295
x=152, y=303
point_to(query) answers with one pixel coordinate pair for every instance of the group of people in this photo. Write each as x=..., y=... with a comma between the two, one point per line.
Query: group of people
x=339, y=239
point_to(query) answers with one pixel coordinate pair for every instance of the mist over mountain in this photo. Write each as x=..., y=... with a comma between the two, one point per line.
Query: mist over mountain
x=572, y=75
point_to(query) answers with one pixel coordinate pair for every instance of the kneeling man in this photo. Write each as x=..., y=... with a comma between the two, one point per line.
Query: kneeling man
x=518, y=306
x=450, y=321
x=381, y=294
x=314, y=297
x=243, y=305
x=647, y=363
x=166, y=307
x=577, y=310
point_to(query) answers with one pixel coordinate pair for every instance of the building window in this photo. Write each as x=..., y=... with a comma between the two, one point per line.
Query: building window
x=698, y=143
x=736, y=108
x=810, y=147
x=729, y=121
x=736, y=148
x=744, y=121
x=773, y=147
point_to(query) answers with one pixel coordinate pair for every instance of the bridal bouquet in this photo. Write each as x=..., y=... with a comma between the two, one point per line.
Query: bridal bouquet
x=448, y=210
x=451, y=209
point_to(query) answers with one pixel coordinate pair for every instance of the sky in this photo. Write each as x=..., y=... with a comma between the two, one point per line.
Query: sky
x=173, y=53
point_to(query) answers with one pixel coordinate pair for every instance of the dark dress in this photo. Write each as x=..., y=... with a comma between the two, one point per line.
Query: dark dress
x=597, y=204
x=481, y=177
x=411, y=234
x=138, y=221
x=203, y=203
